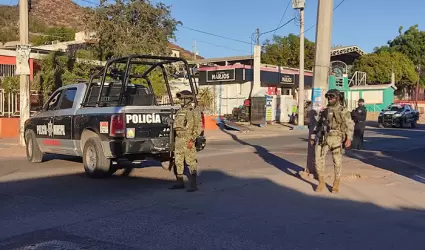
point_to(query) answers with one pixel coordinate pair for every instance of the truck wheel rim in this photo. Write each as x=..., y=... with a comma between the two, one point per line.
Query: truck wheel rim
x=91, y=158
x=29, y=147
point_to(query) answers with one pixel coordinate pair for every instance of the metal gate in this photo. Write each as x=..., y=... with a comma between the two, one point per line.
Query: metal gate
x=258, y=110
x=2, y=102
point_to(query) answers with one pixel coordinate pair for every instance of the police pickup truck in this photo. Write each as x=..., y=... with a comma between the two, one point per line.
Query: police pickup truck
x=104, y=122
x=398, y=115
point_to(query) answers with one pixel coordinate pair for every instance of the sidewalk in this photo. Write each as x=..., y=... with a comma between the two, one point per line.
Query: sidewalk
x=254, y=132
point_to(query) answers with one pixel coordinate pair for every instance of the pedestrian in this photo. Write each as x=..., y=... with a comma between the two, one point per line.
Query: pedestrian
x=333, y=131
x=187, y=127
x=359, y=117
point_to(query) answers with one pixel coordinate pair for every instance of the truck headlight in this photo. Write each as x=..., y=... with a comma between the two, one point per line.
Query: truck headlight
x=397, y=115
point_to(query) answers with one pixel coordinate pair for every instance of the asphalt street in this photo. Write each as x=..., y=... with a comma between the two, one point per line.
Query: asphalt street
x=249, y=198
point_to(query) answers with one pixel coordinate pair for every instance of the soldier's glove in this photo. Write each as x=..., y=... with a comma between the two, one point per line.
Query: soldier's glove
x=190, y=144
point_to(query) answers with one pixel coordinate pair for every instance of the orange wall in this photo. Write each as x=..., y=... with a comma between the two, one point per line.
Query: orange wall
x=11, y=60
x=9, y=127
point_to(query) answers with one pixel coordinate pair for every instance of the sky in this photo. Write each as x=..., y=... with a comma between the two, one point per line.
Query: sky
x=365, y=23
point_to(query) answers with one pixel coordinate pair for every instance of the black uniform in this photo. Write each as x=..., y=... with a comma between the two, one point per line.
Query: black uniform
x=359, y=117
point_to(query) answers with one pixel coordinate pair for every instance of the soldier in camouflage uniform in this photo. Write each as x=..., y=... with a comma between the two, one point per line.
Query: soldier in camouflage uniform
x=340, y=133
x=187, y=126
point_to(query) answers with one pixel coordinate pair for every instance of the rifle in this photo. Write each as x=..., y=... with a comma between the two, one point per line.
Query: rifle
x=322, y=128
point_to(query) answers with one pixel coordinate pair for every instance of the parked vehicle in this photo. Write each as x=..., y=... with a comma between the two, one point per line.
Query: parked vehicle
x=109, y=120
x=398, y=115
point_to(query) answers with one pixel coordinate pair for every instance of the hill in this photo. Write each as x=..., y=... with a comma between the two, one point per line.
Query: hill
x=59, y=19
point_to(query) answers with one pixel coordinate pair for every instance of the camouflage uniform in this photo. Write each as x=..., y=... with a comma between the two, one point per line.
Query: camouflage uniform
x=341, y=129
x=187, y=127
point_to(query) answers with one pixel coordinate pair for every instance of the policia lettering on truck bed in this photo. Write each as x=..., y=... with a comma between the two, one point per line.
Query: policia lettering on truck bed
x=106, y=121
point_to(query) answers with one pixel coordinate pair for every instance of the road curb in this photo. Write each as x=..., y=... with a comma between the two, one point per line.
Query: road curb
x=252, y=136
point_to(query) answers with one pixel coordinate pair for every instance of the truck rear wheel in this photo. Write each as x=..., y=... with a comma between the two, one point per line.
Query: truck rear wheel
x=95, y=163
x=33, y=151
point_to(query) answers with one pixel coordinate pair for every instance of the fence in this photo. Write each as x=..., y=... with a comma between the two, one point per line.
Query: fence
x=10, y=103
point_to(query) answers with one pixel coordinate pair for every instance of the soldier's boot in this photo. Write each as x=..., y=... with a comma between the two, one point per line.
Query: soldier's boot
x=193, y=185
x=179, y=183
x=321, y=185
x=335, y=187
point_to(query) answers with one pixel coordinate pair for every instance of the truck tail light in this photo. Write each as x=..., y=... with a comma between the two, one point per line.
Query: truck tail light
x=117, y=125
x=203, y=120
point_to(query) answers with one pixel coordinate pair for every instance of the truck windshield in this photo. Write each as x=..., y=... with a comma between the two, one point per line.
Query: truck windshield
x=396, y=108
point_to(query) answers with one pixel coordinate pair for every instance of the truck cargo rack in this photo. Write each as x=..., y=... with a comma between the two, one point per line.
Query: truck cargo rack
x=121, y=77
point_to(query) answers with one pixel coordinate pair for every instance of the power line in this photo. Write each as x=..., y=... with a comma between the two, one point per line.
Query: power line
x=284, y=13
x=336, y=7
x=90, y=2
x=211, y=34
x=281, y=26
x=221, y=46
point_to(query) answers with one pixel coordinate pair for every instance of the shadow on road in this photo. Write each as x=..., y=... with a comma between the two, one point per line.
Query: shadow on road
x=276, y=161
x=403, y=154
x=227, y=213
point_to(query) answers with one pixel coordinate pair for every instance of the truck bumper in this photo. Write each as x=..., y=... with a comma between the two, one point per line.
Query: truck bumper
x=138, y=149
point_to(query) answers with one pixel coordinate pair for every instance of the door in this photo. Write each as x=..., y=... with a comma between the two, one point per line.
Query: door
x=258, y=110
x=43, y=123
x=63, y=122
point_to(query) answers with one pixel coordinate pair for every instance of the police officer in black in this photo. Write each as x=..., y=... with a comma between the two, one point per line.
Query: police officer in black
x=359, y=117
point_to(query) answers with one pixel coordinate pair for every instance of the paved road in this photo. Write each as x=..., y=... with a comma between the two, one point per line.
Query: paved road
x=248, y=199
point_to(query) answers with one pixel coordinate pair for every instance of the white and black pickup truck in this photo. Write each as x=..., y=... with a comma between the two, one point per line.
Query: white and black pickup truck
x=104, y=123
x=398, y=115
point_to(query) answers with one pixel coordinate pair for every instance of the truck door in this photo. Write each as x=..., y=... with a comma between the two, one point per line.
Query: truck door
x=63, y=122
x=44, y=123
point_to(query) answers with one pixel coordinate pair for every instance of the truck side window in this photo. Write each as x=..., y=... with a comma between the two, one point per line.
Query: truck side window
x=68, y=98
x=53, y=102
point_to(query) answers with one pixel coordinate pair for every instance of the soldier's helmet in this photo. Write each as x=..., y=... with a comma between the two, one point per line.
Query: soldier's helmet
x=333, y=93
x=184, y=94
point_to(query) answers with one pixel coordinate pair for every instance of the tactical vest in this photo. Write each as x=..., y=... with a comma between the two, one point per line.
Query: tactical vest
x=335, y=119
x=180, y=120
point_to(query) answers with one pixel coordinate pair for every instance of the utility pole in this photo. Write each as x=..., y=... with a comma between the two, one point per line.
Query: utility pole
x=300, y=4
x=257, y=62
x=194, y=50
x=417, y=87
x=22, y=68
x=320, y=70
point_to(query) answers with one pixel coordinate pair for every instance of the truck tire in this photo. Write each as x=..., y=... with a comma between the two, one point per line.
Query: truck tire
x=33, y=151
x=413, y=124
x=95, y=163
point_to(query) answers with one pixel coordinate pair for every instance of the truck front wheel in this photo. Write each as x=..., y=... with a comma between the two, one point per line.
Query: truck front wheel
x=95, y=163
x=33, y=151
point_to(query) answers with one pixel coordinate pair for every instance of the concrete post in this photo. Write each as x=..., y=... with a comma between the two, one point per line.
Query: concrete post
x=24, y=94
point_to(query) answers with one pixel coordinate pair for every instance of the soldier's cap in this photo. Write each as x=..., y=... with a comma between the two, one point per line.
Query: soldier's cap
x=361, y=100
x=332, y=93
x=184, y=94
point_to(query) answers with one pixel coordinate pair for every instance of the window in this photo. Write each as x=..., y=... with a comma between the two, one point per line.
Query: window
x=396, y=108
x=53, y=101
x=68, y=98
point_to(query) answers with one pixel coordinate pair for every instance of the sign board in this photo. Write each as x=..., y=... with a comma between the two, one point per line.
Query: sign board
x=225, y=75
x=317, y=98
x=287, y=79
x=298, y=4
x=269, y=108
x=22, y=60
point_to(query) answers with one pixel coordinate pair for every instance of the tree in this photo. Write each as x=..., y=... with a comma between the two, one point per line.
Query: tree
x=131, y=26
x=285, y=51
x=57, y=70
x=411, y=43
x=379, y=65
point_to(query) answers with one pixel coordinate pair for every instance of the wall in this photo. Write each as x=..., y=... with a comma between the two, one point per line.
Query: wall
x=11, y=60
x=9, y=127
